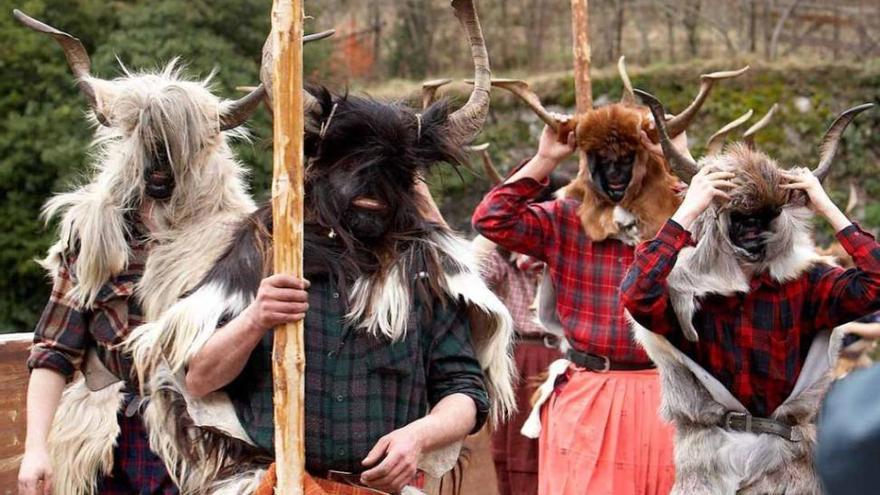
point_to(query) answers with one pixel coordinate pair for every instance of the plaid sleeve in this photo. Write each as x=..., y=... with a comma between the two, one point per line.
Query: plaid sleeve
x=453, y=367
x=839, y=296
x=492, y=269
x=60, y=337
x=644, y=291
x=506, y=217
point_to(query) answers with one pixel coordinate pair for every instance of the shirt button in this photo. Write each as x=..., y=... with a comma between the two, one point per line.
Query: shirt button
x=331, y=354
x=340, y=398
x=340, y=453
x=335, y=295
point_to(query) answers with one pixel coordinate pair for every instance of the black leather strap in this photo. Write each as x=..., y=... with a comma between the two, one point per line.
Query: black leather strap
x=738, y=421
x=601, y=364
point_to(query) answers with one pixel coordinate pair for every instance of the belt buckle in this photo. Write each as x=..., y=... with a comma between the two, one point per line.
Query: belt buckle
x=736, y=414
x=606, y=365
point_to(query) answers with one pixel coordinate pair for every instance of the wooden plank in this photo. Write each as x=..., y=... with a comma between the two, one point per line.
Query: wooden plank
x=288, y=356
x=14, y=350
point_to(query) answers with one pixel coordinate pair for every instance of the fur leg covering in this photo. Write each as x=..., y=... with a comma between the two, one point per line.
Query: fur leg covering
x=82, y=437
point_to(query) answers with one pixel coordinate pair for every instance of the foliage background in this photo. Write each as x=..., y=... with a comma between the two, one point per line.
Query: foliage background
x=44, y=135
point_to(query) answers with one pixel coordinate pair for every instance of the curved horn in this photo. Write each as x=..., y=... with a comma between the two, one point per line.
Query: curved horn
x=491, y=172
x=429, y=90
x=521, y=89
x=853, y=200
x=628, y=97
x=466, y=122
x=831, y=141
x=75, y=53
x=683, y=166
x=716, y=141
x=678, y=124
x=749, y=135
x=236, y=113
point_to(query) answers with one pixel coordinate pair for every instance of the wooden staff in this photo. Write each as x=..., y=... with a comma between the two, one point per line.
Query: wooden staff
x=583, y=89
x=288, y=357
x=580, y=30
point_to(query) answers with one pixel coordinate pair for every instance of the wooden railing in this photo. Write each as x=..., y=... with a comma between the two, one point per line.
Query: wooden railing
x=13, y=387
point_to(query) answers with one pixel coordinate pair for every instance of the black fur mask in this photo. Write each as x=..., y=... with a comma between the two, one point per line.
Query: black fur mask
x=376, y=151
x=749, y=231
x=612, y=175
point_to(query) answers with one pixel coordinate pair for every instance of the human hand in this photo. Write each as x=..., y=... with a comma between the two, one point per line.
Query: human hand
x=400, y=452
x=704, y=187
x=35, y=473
x=801, y=179
x=554, y=149
x=281, y=299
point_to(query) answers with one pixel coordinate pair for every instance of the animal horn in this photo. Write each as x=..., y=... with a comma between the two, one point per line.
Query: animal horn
x=236, y=113
x=466, y=122
x=683, y=166
x=76, y=55
x=491, y=172
x=429, y=90
x=678, y=124
x=853, y=200
x=831, y=141
x=716, y=141
x=749, y=135
x=521, y=89
x=628, y=97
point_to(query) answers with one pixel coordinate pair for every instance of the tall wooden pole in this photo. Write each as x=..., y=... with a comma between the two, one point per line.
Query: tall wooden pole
x=583, y=89
x=288, y=358
x=580, y=30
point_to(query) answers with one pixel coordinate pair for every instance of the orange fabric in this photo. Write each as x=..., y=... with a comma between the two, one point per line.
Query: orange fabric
x=602, y=434
x=313, y=486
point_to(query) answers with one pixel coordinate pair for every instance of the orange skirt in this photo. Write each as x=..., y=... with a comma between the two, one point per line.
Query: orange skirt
x=602, y=435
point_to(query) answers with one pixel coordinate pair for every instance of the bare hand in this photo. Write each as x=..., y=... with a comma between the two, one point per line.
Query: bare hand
x=400, y=452
x=551, y=149
x=280, y=299
x=35, y=473
x=704, y=188
x=804, y=180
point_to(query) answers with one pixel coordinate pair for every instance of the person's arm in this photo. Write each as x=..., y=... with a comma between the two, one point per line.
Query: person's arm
x=60, y=341
x=645, y=291
x=280, y=299
x=457, y=393
x=507, y=215
x=838, y=296
x=43, y=395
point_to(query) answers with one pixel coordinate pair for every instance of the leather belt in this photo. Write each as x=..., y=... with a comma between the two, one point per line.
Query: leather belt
x=602, y=364
x=740, y=421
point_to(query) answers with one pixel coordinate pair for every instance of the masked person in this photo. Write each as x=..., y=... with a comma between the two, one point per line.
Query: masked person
x=142, y=231
x=584, y=447
x=734, y=305
x=406, y=349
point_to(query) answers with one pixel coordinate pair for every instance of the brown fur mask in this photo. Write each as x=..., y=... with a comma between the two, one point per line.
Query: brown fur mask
x=614, y=131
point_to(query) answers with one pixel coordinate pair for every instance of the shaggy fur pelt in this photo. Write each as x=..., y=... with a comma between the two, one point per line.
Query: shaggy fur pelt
x=190, y=434
x=651, y=197
x=709, y=459
x=192, y=229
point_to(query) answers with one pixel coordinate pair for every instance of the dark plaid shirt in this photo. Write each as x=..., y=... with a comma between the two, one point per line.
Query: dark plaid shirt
x=586, y=275
x=358, y=387
x=755, y=343
x=65, y=330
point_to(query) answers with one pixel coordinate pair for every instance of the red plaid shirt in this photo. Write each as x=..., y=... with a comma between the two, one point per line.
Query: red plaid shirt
x=755, y=343
x=516, y=288
x=586, y=275
x=65, y=330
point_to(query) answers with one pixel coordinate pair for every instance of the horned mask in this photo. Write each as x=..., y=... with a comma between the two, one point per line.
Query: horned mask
x=625, y=192
x=762, y=225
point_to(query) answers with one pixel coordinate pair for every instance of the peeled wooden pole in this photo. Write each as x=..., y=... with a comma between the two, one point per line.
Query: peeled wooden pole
x=583, y=89
x=288, y=356
x=580, y=31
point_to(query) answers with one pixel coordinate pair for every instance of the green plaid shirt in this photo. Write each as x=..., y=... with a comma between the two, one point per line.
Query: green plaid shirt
x=359, y=387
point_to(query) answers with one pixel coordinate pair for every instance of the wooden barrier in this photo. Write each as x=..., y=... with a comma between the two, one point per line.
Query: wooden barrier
x=13, y=387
